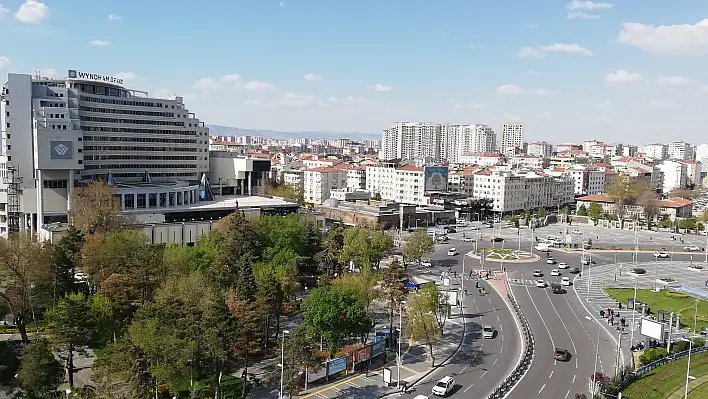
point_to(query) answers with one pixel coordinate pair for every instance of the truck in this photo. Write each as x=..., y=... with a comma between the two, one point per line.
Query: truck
x=543, y=247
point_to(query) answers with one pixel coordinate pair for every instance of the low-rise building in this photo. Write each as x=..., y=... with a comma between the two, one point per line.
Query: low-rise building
x=673, y=207
x=540, y=149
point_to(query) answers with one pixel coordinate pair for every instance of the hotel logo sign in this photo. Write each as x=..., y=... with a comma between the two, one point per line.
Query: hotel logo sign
x=61, y=149
x=74, y=74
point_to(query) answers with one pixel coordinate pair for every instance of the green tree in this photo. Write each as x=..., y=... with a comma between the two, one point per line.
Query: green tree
x=582, y=210
x=394, y=291
x=595, y=212
x=183, y=259
x=365, y=247
x=25, y=268
x=648, y=200
x=541, y=212
x=298, y=355
x=249, y=334
x=336, y=316
x=328, y=258
x=417, y=245
x=94, y=208
x=437, y=303
x=623, y=191
x=666, y=222
x=72, y=326
x=421, y=323
x=651, y=355
x=376, y=196
x=40, y=373
x=67, y=254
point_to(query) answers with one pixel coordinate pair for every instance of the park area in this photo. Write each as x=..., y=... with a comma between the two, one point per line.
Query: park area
x=669, y=381
x=671, y=301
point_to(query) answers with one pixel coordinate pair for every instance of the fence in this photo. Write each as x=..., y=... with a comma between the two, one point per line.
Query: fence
x=649, y=367
x=529, y=349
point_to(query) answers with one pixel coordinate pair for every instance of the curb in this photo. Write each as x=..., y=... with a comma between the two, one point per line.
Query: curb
x=443, y=363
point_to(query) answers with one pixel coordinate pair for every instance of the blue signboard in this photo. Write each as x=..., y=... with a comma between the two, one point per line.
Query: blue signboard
x=334, y=366
x=436, y=178
x=377, y=348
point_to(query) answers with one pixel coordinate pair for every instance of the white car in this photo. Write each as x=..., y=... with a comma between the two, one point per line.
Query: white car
x=551, y=261
x=692, y=248
x=452, y=252
x=562, y=265
x=468, y=239
x=473, y=227
x=576, y=231
x=426, y=263
x=461, y=224
x=565, y=281
x=487, y=331
x=540, y=284
x=555, y=272
x=444, y=386
x=661, y=254
x=537, y=273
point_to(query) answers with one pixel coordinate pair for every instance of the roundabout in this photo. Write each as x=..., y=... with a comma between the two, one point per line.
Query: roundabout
x=505, y=255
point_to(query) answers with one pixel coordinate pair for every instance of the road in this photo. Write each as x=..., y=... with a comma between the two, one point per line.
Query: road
x=481, y=364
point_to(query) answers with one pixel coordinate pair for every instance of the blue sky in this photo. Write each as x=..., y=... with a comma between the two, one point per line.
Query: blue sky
x=570, y=70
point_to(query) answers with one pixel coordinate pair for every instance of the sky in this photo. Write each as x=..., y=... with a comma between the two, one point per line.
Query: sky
x=625, y=71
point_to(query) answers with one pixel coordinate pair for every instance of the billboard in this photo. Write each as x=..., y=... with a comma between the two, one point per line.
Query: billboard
x=651, y=328
x=334, y=366
x=436, y=178
x=61, y=149
x=362, y=354
x=378, y=348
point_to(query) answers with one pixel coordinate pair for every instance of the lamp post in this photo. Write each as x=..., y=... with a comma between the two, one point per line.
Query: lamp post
x=399, y=361
x=634, y=313
x=597, y=350
x=688, y=366
x=282, y=361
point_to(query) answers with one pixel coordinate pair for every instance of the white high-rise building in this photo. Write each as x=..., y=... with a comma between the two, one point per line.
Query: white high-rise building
x=655, y=150
x=409, y=140
x=702, y=153
x=60, y=132
x=540, y=149
x=512, y=138
x=459, y=140
x=675, y=175
x=680, y=150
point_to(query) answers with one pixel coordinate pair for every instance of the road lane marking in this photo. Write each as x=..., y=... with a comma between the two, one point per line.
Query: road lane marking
x=502, y=337
x=572, y=342
x=485, y=372
x=539, y=391
x=576, y=362
x=551, y=374
x=501, y=327
x=502, y=349
x=495, y=361
x=567, y=393
x=553, y=345
x=574, y=379
x=468, y=388
x=463, y=369
x=498, y=318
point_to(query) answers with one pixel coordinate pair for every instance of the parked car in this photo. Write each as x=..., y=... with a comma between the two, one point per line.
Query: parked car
x=551, y=261
x=555, y=272
x=444, y=386
x=537, y=273
x=497, y=239
x=561, y=354
x=565, y=281
x=468, y=239
x=540, y=284
x=562, y=265
x=661, y=254
x=487, y=331
x=692, y=248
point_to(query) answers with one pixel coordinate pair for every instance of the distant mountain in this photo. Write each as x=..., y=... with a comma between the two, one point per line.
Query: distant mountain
x=235, y=131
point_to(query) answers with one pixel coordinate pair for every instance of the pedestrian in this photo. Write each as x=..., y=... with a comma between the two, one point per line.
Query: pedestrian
x=480, y=291
x=476, y=284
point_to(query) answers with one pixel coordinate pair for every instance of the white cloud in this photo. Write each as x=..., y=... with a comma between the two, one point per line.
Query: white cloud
x=672, y=80
x=312, y=76
x=380, y=87
x=126, y=76
x=4, y=12
x=282, y=4
x=683, y=39
x=293, y=100
x=545, y=115
x=660, y=104
x=581, y=15
x=350, y=99
x=476, y=46
x=604, y=105
x=205, y=84
x=163, y=93
x=233, y=78
x=623, y=76
x=510, y=89
x=544, y=92
x=473, y=106
x=538, y=52
x=257, y=85
x=588, y=5
x=4, y=62
x=32, y=12
x=112, y=17
x=531, y=73
x=99, y=43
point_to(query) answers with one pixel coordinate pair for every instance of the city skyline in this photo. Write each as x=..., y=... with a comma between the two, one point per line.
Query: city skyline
x=569, y=71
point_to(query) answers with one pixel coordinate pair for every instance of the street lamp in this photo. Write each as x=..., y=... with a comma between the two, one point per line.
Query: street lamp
x=688, y=366
x=399, y=361
x=634, y=313
x=282, y=361
x=597, y=349
x=68, y=393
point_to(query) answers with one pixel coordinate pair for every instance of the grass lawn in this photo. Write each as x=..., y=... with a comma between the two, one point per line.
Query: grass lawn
x=660, y=301
x=668, y=381
x=230, y=387
x=495, y=253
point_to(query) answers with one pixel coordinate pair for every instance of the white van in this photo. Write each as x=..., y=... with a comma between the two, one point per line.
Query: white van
x=543, y=247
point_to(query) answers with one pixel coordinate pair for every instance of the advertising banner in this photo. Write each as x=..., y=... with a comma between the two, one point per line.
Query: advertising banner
x=378, y=348
x=61, y=149
x=362, y=354
x=334, y=366
x=436, y=178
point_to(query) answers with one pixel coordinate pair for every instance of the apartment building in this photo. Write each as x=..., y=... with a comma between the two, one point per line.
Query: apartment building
x=409, y=140
x=320, y=181
x=517, y=191
x=462, y=182
x=540, y=149
x=629, y=150
x=680, y=150
x=403, y=184
x=588, y=180
x=655, y=150
x=694, y=171
x=675, y=175
x=483, y=159
x=466, y=139
x=526, y=161
x=565, y=147
x=512, y=138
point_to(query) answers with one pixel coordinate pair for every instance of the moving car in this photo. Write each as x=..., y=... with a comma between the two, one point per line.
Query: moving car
x=461, y=223
x=442, y=238
x=586, y=261
x=537, y=273
x=561, y=354
x=565, y=281
x=661, y=254
x=468, y=239
x=540, y=284
x=490, y=225
x=692, y=248
x=487, y=331
x=473, y=227
x=543, y=247
x=574, y=270
x=452, y=252
x=576, y=231
x=555, y=272
x=444, y=386
x=426, y=263
x=562, y=265
x=557, y=289
x=696, y=266
x=497, y=239
x=551, y=261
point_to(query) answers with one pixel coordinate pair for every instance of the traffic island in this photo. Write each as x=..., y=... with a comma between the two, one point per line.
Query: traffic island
x=504, y=255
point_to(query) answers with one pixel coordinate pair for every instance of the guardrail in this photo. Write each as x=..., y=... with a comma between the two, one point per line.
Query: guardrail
x=529, y=349
x=649, y=367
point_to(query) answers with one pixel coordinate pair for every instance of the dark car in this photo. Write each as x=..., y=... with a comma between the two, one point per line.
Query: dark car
x=561, y=355
x=557, y=288
x=451, y=229
x=497, y=239
x=575, y=270
x=704, y=331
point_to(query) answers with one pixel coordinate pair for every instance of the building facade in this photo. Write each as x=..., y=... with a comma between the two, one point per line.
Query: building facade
x=540, y=149
x=512, y=138
x=655, y=150
x=680, y=150
x=675, y=175
x=527, y=190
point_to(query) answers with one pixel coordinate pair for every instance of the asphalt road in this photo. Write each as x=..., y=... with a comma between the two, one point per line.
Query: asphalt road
x=481, y=364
